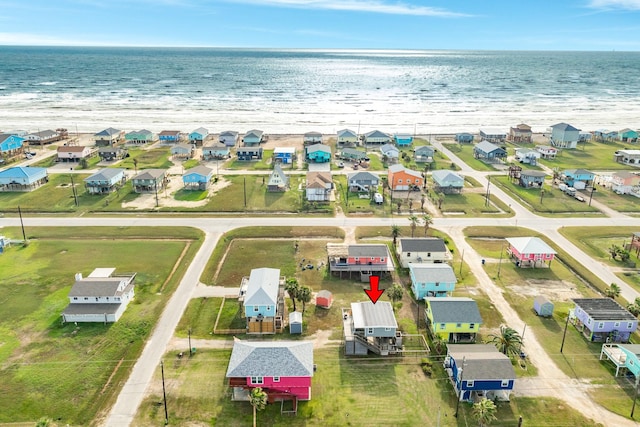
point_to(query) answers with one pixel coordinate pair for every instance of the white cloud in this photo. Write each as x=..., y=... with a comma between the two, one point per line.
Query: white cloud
x=373, y=6
x=615, y=4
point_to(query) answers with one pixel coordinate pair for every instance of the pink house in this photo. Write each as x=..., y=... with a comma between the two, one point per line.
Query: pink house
x=365, y=259
x=530, y=251
x=283, y=369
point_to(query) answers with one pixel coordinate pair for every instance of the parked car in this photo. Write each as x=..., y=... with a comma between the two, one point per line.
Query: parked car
x=341, y=164
x=579, y=198
x=355, y=166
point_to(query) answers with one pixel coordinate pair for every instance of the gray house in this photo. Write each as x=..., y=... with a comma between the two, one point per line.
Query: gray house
x=363, y=181
x=423, y=154
x=228, y=138
x=488, y=151
x=371, y=327
x=447, y=182
x=278, y=181
x=149, y=181
x=352, y=154
x=532, y=179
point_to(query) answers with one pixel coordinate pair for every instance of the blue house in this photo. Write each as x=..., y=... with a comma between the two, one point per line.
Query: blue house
x=626, y=357
x=486, y=150
x=260, y=294
x=628, y=135
x=10, y=145
x=169, y=136
x=198, y=136
x=318, y=153
x=532, y=178
x=578, y=178
x=605, y=135
x=603, y=320
x=403, y=139
x=228, y=138
x=431, y=279
x=464, y=138
x=22, y=178
x=105, y=181
x=479, y=370
x=253, y=137
x=447, y=182
x=377, y=137
x=284, y=155
x=197, y=178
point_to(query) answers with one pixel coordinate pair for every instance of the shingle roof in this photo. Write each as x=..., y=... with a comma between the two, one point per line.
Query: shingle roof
x=318, y=179
x=200, y=170
x=370, y=250
x=346, y=132
x=488, y=147
x=454, y=310
x=442, y=175
x=376, y=134
x=603, y=309
x=362, y=176
x=98, y=287
x=530, y=245
x=271, y=359
x=433, y=273
x=419, y=244
x=319, y=147
x=263, y=287
x=108, y=132
x=481, y=362
x=370, y=315
x=537, y=174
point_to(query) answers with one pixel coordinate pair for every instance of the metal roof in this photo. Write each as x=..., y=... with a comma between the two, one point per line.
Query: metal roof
x=481, y=362
x=369, y=250
x=150, y=174
x=99, y=287
x=105, y=174
x=454, y=310
x=419, y=244
x=603, y=309
x=433, y=273
x=530, y=245
x=271, y=359
x=263, y=287
x=370, y=315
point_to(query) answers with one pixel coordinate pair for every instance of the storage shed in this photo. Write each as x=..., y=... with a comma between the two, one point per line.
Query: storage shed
x=295, y=322
x=324, y=299
x=542, y=306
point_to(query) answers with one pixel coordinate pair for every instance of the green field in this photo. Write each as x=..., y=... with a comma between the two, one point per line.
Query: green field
x=591, y=155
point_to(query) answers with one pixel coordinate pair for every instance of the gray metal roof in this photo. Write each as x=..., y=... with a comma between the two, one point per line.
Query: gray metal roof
x=108, y=132
x=446, y=177
x=604, y=309
x=530, y=245
x=263, y=287
x=318, y=147
x=363, y=176
x=370, y=250
x=200, y=170
x=454, y=310
x=564, y=127
x=433, y=273
x=150, y=174
x=537, y=174
x=427, y=244
x=481, y=362
x=105, y=174
x=271, y=359
x=489, y=147
x=91, y=308
x=98, y=287
x=370, y=315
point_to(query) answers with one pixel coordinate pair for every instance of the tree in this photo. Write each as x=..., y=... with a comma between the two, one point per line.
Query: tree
x=395, y=292
x=258, y=399
x=304, y=296
x=293, y=288
x=556, y=175
x=508, y=341
x=427, y=221
x=422, y=200
x=395, y=233
x=440, y=200
x=399, y=202
x=634, y=309
x=484, y=411
x=614, y=250
x=414, y=223
x=410, y=205
x=613, y=291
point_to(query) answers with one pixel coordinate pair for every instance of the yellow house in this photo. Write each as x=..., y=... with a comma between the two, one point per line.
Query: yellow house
x=453, y=319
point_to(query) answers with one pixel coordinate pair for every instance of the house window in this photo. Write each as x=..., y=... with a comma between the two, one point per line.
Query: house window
x=472, y=325
x=470, y=383
x=117, y=298
x=442, y=325
x=600, y=325
x=408, y=253
x=370, y=331
x=387, y=329
x=269, y=308
x=382, y=260
x=458, y=325
x=257, y=380
x=630, y=325
x=437, y=284
x=75, y=298
x=86, y=298
x=630, y=362
x=504, y=383
x=276, y=379
x=616, y=325
x=357, y=259
x=589, y=321
x=428, y=254
x=256, y=309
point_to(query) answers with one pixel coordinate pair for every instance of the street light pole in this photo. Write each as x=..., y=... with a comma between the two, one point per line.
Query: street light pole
x=635, y=397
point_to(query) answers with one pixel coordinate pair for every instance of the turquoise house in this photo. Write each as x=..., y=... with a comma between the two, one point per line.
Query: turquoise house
x=198, y=136
x=197, y=178
x=259, y=294
x=628, y=135
x=318, y=153
x=10, y=144
x=253, y=137
x=403, y=139
x=624, y=356
x=22, y=178
x=431, y=279
x=142, y=136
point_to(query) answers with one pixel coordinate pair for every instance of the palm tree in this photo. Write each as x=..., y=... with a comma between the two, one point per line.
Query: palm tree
x=427, y=221
x=395, y=292
x=304, y=296
x=508, y=341
x=395, y=233
x=422, y=200
x=634, y=309
x=613, y=291
x=258, y=399
x=414, y=223
x=484, y=411
x=293, y=288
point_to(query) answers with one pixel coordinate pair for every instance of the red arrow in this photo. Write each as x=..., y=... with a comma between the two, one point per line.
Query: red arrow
x=374, y=293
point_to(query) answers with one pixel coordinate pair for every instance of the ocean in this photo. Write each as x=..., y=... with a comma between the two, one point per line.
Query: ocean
x=296, y=91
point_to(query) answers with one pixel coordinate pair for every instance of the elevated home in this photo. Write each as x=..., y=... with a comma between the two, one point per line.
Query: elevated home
x=278, y=180
x=527, y=156
x=479, y=370
x=627, y=157
x=197, y=178
x=391, y=153
x=603, y=319
x=283, y=369
x=403, y=139
x=493, y=135
x=578, y=178
x=628, y=135
x=139, y=137
x=108, y=137
x=11, y=145
x=432, y=280
x=530, y=251
x=423, y=154
x=248, y=154
x=105, y=181
x=253, y=137
x=198, y=136
x=317, y=153
x=447, y=182
x=310, y=138
x=347, y=137
x=149, y=181
x=488, y=151
x=284, y=155
x=400, y=178
x=74, y=153
x=464, y=138
x=584, y=136
x=319, y=186
x=624, y=182
x=43, y=137
x=103, y=296
x=112, y=153
x=352, y=154
x=216, y=151
x=228, y=138
x=605, y=135
x=262, y=297
x=377, y=137
x=369, y=327
x=170, y=136
x=361, y=259
x=520, y=134
x=626, y=357
x=563, y=135
x=23, y=178
x=419, y=250
x=532, y=178
x=547, y=152
x=363, y=181
x=452, y=319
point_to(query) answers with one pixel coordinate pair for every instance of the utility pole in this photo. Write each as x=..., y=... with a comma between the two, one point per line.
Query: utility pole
x=190, y=348
x=244, y=187
x=500, y=262
x=593, y=188
x=164, y=394
x=73, y=190
x=460, y=388
x=564, y=334
x=24, y=235
x=461, y=260
x=156, y=187
x=487, y=196
x=635, y=397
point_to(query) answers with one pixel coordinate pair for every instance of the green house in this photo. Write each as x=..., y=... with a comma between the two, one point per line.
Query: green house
x=453, y=319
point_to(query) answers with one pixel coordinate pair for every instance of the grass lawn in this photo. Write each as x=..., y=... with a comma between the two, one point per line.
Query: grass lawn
x=357, y=205
x=190, y=195
x=471, y=204
x=200, y=315
x=65, y=371
x=624, y=203
x=465, y=153
x=264, y=164
x=157, y=158
x=590, y=155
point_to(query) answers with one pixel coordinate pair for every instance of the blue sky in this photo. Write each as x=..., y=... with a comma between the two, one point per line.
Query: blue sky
x=382, y=24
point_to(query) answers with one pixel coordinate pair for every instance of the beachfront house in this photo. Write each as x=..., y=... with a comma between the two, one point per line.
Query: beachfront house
x=197, y=178
x=493, y=135
x=311, y=138
x=403, y=139
x=23, y=178
x=278, y=180
x=628, y=135
x=105, y=181
x=216, y=151
x=530, y=251
x=102, y=296
x=253, y=137
x=532, y=178
x=228, y=138
x=149, y=181
x=400, y=178
x=422, y=250
x=547, y=152
x=377, y=137
x=347, y=137
x=452, y=319
x=108, y=137
x=369, y=327
x=198, y=136
x=363, y=181
x=520, y=134
x=623, y=182
x=262, y=299
x=282, y=369
x=248, y=154
x=319, y=186
x=112, y=153
x=284, y=155
x=43, y=137
x=390, y=152
x=464, y=138
x=578, y=178
x=527, y=156
x=489, y=152
x=139, y=137
x=11, y=146
x=352, y=154
x=447, y=182
x=317, y=153
x=479, y=371
x=74, y=153
x=170, y=136
x=603, y=320
x=563, y=135
x=363, y=260
x=431, y=280
x=423, y=154
x=605, y=135
x=627, y=157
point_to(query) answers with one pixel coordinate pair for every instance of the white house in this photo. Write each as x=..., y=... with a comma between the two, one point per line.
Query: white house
x=419, y=250
x=319, y=186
